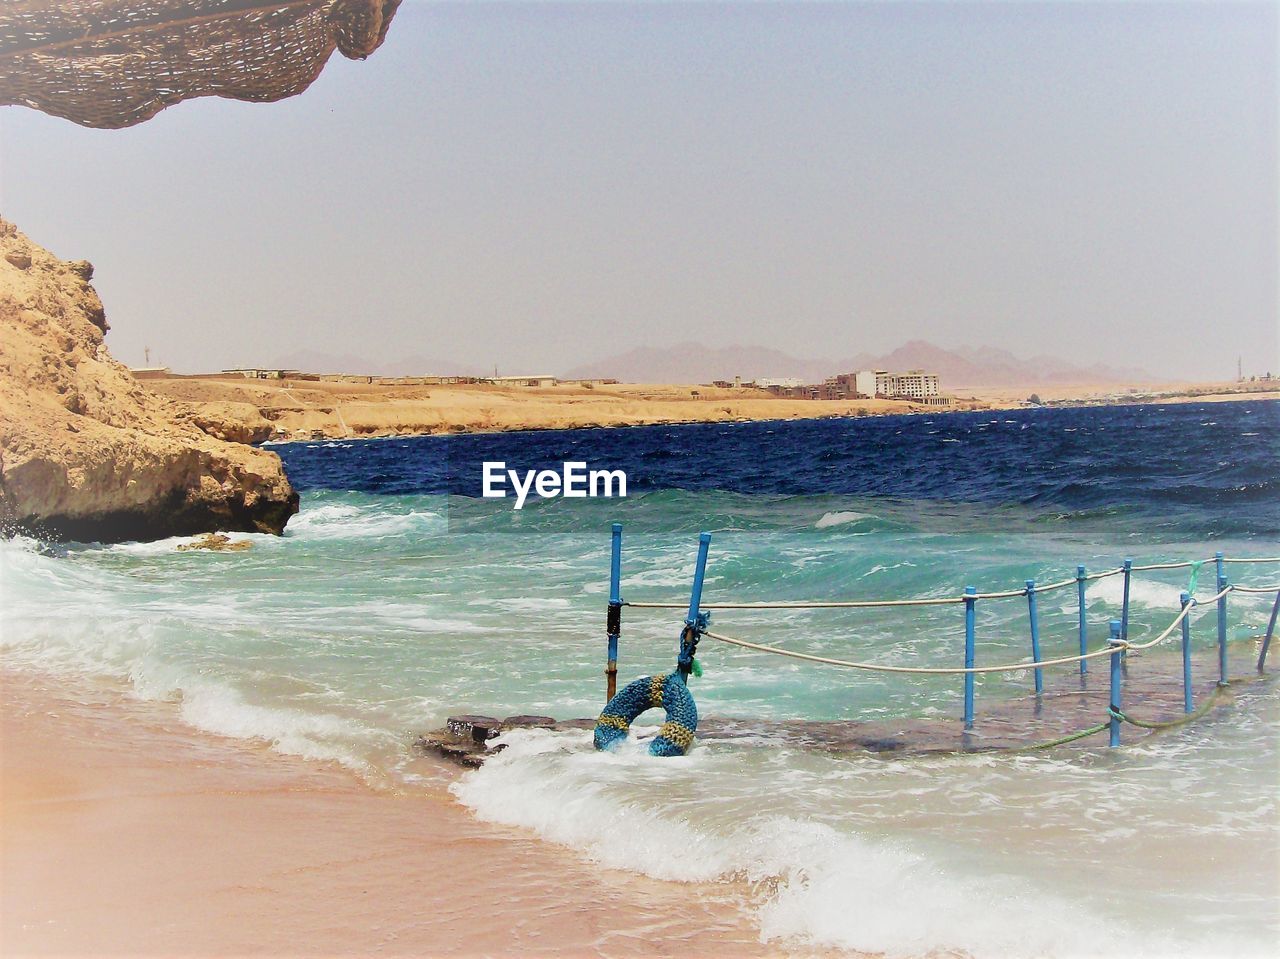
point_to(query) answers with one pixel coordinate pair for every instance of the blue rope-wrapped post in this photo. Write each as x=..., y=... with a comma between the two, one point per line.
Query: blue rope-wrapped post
x=694, y=622
x=613, y=622
x=1222, y=621
x=1124, y=606
x=1271, y=630
x=1117, y=647
x=1035, y=634
x=970, y=601
x=1185, y=599
x=1081, y=582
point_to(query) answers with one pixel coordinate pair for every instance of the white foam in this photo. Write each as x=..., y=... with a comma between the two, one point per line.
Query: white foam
x=344, y=521
x=101, y=626
x=813, y=884
x=1163, y=597
x=1142, y=592
x=171, y=544
x=840, y=518
x=523, y=604
x=216, y=708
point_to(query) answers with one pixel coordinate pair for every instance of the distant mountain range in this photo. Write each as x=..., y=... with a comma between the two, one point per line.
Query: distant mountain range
x=962, y=367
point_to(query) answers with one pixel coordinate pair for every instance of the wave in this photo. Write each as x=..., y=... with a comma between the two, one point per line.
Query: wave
x=811, y=882
x=347, y=521
x=840, y=518
x=102, y=626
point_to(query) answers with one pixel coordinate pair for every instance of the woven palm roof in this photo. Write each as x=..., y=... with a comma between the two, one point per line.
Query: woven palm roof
x=114, y=63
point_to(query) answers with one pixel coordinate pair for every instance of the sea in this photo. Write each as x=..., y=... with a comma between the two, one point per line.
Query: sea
x=399, y=596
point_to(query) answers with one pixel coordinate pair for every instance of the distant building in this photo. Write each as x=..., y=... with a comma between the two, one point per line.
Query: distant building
x=914, y=385
x=149, y=372
x=864, y=382
x=766, y=382
x=540, y=380
x=251, y=373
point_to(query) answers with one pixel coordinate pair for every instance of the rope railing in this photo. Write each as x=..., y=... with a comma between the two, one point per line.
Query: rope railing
x=936, y=600
x=697, y=624
x=880, y=668
x=1123, y=645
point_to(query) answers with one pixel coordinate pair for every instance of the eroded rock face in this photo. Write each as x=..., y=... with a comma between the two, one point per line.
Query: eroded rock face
x=87, y=452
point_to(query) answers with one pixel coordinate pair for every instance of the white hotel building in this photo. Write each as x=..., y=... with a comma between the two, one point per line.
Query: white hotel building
x=912, y=385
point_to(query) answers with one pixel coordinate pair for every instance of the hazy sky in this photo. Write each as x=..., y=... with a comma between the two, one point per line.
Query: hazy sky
x=537, y=185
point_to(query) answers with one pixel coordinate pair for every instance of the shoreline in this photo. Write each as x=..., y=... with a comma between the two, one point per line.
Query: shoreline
x=373, y=437
x=127, y=832
x=255, y=411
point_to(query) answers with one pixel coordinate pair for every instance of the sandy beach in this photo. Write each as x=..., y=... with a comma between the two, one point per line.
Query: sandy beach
x=126, y=833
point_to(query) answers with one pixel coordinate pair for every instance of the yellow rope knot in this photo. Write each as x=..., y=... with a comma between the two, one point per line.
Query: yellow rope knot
x=617, y=722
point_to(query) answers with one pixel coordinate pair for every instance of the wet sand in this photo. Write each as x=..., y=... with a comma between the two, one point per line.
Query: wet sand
x=126, y=833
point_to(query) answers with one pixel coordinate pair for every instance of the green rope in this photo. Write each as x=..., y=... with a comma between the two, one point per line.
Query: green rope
x=1199, y=711
x=1065, y=739
x=697, y=668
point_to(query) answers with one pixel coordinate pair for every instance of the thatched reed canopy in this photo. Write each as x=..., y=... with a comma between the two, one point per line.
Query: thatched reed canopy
x=114, y=63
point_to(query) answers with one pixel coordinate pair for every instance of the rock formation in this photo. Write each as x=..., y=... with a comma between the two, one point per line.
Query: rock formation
x=86, y=451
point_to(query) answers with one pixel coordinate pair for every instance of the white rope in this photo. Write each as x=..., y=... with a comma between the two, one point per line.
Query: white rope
x=1050, y=587
x=1183, y=614
x=804, y=604
x=1112, y=647
x=874, y=667
x=948, y=600
x=1004, y=595
x=1256, y=559
x=874, y=603
x=1258, y=589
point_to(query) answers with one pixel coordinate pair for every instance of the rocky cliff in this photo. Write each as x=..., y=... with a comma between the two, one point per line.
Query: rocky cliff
x=87, y=452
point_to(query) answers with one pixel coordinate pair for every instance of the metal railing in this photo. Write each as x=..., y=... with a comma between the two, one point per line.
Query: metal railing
x=697, y=621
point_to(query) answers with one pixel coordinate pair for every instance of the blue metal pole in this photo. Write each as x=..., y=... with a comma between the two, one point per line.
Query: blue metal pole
x=699, y=574
x=1035, y=634
x=969, y=603
x=1186, y=655
x=1116, y=648
x=1084, y=625
x=1271, y=631
x=695, y=600
x=614, y=624
x=1124, y=608
x=1222, y=621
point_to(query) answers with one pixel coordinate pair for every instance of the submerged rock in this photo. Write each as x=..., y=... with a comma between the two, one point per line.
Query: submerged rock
x=218, y=542
x=86, y=451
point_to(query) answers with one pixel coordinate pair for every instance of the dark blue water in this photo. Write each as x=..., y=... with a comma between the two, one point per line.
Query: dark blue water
x=1213, y=468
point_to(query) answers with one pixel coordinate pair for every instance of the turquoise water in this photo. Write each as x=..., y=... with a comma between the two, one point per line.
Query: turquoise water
x=377, y=615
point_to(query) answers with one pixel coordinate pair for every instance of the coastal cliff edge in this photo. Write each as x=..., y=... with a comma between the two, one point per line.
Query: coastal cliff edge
x=86, y=451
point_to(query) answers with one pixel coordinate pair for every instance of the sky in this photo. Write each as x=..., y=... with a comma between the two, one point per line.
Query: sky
x=535, y=186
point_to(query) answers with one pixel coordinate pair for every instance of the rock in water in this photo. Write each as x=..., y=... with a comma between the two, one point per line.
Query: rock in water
x=218, y=542
x=86, y=451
